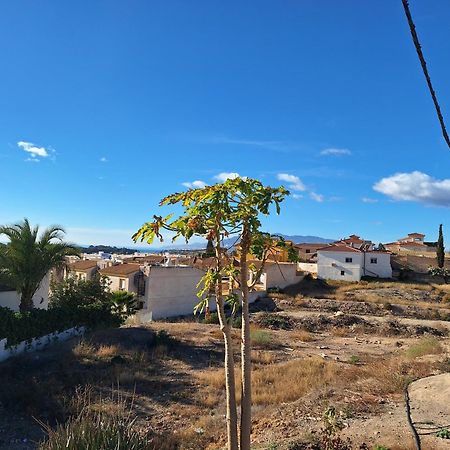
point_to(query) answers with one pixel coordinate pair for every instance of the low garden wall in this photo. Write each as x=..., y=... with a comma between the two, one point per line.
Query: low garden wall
x=37, y=344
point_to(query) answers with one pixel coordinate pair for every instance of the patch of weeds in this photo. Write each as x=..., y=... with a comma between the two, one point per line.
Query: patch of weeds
x=274, y=321
x=272, y=446
x=261, y=338
x=380, y=447
x=444, y=433
x=354, y=359
x=426, y=346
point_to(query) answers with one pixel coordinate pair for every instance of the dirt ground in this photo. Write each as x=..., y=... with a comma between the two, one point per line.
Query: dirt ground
x=363, y=354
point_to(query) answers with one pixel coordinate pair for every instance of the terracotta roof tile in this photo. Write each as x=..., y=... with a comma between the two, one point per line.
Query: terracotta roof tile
x=83, y=265
x=120, y=269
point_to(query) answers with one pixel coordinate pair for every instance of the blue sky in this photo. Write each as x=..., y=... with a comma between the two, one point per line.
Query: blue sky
x=107, y=106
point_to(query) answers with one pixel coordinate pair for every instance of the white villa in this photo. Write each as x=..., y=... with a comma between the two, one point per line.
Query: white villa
x=351, y=259
x=9, y=298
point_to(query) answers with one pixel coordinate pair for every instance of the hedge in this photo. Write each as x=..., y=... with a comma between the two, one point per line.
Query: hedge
x=23, y=326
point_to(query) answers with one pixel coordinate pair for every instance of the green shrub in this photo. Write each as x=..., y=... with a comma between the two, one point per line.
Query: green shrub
x=261, y=338
x=123, y=303
x=24, y=326
x=444, y=433
x=73, y=292
x=353, y=359
x=211, y=318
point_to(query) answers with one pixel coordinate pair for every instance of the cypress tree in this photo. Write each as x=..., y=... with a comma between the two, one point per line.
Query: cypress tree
x=210, y=248
x=440, y=250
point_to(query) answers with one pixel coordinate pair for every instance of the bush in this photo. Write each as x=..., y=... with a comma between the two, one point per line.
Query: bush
x=260, y=338
x=24, y=326
x=73, y=292
x=212, y=318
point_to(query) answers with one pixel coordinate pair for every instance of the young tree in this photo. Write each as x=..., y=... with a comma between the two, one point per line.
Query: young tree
x=28, y=257
x=440, y=249
x=217, y=212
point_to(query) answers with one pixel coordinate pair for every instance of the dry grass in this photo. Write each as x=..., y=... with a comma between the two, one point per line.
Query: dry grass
x=385, y=377
x=340, y=332
x=301, y=335
x=276, y=383
x=426, y=346
x=263, y=357
x=87, y=350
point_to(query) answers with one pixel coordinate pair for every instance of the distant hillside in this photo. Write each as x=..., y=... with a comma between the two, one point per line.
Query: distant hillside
x=108, y=249
x=298, y=239
x=230, y=242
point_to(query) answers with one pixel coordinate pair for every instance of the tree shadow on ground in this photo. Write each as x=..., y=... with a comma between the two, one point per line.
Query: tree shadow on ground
x=150, y=368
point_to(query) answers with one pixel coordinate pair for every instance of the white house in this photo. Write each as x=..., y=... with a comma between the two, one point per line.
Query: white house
x=9, y=298
x=341, y=261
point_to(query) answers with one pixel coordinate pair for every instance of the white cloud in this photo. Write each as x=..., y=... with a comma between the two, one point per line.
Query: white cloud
x=197, y=184
x=223, y=176
x=294, y=182
x=369, y=200
x=417, y=187
x=34, y=151
x=297, y=196
x=336, y=152
x=103, y=159
x=316, y=197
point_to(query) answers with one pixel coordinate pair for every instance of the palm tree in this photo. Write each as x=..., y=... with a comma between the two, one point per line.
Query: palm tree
x=27, y=257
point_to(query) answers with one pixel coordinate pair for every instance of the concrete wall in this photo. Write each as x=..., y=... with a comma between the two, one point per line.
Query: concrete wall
x=39, y=343
x=281, y=275
x=307, y=267
x=171, y=291
x=11, y=299
x=331, y=265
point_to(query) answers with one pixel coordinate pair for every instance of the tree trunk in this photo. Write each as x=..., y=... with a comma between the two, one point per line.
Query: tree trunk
x=230, y=382
x=246, y=357
x=26, y=301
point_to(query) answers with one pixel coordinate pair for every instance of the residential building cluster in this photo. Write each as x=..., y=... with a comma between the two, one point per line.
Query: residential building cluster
x=166, y=284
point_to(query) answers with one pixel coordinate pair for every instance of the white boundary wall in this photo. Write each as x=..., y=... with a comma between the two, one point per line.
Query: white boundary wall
x=307, y=267
x=39, y=343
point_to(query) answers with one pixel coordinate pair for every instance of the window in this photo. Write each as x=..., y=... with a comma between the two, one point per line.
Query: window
x=307, y=250
x=373, y=260
x=342, y=273
x=348, y=260
x=121, y=284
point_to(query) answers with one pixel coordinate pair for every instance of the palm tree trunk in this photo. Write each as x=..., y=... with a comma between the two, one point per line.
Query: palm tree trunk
x=246, y=357
x=26, y=301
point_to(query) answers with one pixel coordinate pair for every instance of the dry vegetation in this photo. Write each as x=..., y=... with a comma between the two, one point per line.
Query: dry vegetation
x=170, y=375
